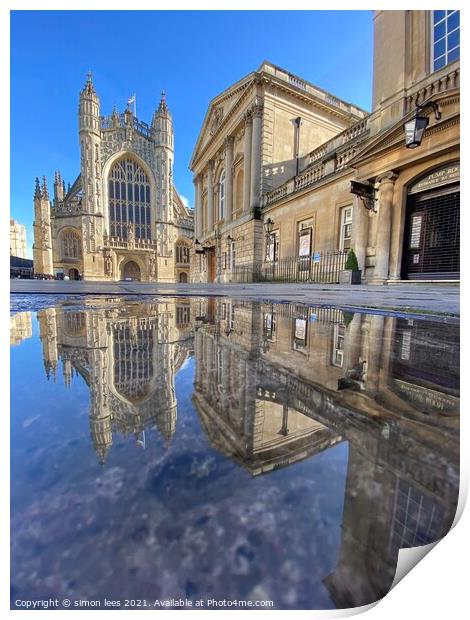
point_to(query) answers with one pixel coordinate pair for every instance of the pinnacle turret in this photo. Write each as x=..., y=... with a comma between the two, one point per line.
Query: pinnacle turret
x=89, y=88
x=37, y=190
x=44, y=190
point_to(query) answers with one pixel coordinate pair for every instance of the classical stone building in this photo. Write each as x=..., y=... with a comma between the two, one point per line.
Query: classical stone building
x=122, y=217
x=128, y=357
x=278, y=383
x=406, y=224
x=253, y=138
x=17, y=239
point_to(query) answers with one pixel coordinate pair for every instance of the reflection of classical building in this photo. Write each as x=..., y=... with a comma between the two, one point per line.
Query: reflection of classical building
x=122, y=217
x=278, y=383
x=405, y=226
x=21, y=327
x=128, y=357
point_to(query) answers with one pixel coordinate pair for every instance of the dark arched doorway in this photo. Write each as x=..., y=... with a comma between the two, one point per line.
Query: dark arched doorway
x=130, y=271
x=74, y=274
x=183, y=277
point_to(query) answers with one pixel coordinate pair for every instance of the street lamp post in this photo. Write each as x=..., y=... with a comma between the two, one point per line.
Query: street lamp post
x=415, y=128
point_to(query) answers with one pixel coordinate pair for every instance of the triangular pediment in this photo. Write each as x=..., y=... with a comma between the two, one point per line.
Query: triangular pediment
x=218, y=112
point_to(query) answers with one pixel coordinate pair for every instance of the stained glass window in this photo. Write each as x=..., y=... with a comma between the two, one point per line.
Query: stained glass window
x=129, y=199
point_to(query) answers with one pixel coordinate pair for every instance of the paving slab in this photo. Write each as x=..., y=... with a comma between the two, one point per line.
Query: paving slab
x=439, y=299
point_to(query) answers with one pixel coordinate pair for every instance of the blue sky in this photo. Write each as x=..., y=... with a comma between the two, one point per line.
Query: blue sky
x=192, y=55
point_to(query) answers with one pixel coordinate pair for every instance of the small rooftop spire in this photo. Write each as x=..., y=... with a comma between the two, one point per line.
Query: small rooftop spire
x=163, y=108
x=44, y=190
x=37, y=189
x=89, y=89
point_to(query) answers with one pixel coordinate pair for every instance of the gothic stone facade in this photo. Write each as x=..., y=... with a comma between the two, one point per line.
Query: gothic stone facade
x=253, y=137
x=122, y=217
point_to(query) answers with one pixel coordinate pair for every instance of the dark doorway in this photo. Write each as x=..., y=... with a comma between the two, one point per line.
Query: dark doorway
x=74, y=274
x=130, y=271
x=432, y=235
x=211, y=264
x=183, y=277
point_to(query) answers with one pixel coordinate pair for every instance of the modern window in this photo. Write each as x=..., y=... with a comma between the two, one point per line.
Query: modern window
x=222, y=195
x=71, y=244
x=338, y=345
x=272, y=247
x=129, y=200
x=345, y=230
x=445, y=38
x=232, y=255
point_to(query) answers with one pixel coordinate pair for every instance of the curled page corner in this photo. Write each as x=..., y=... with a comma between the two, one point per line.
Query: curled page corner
x=409, y=558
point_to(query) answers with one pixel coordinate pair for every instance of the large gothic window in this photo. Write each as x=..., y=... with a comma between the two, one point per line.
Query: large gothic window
x=71, y=244
x=129, y=200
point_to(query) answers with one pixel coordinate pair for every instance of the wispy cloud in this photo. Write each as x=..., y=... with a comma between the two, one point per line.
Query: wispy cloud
x=185, y=201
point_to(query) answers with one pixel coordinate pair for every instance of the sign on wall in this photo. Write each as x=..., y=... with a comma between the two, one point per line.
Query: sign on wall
x=442, y=176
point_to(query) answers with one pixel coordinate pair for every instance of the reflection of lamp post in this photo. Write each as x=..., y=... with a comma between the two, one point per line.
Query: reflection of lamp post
x=285, y=414
x=414, y=129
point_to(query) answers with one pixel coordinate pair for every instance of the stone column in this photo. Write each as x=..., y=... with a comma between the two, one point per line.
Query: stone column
x=247, y=162
x=198, y=207
x=360, y=233
x=384, y=226
x=228, y=178
x=257, y=112
x=210, y=196
x=353, y=342
x=374, y=353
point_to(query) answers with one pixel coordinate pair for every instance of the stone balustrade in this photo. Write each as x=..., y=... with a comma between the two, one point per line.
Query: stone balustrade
x=124, y=244
x=310, y=176
x=423, y=91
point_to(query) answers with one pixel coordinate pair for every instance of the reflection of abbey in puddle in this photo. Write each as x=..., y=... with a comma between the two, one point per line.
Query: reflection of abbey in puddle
x=277, y=383
x=127, y=357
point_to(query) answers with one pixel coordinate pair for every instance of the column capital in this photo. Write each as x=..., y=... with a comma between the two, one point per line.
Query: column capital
x=210, y=165
x=386, y=177
x=247, y=117
x=257, y=107
x=228, y=142
x=196, y=179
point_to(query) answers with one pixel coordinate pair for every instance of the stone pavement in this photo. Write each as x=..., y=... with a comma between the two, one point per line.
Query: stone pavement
x=429, y=298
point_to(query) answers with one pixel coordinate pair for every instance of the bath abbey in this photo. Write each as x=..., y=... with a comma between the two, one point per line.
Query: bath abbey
x=122, y=218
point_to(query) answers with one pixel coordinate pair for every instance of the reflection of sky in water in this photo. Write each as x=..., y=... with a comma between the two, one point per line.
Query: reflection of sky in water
x=182, y=521
x=177, y=518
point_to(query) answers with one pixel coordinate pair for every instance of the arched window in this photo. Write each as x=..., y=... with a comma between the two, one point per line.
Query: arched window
x=71, y=244
x=129, y=199
x=222, y=195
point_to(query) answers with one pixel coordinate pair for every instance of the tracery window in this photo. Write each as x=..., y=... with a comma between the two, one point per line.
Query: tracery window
x=182, y=254
x=71, y=244
x=129, y=200
x=133, y=361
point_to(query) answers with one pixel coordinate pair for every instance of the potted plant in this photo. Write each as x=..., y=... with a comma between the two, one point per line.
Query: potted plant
x=351, y=274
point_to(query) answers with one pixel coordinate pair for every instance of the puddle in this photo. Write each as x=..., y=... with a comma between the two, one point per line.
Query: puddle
x=204, y=448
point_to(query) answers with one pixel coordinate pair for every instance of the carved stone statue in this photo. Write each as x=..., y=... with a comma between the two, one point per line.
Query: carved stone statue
x=153, y=265
x=108, y=264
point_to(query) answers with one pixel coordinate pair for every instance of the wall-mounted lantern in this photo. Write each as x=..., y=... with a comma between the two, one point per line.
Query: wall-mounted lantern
x=415, y=128
x=268, y=226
